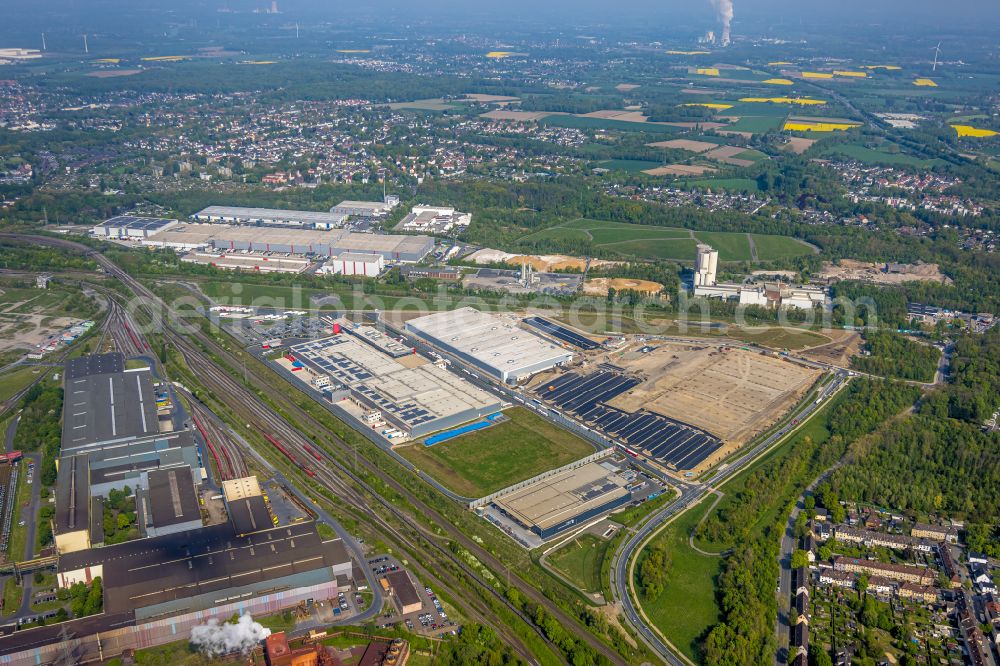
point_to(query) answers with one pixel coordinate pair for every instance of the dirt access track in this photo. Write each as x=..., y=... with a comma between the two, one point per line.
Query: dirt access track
x=730, y=393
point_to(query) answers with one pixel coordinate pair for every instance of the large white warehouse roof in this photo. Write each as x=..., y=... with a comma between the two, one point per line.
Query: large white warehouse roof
x=493, y=342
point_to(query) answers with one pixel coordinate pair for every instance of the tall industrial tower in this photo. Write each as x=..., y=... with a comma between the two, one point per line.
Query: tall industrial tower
x=706, y=266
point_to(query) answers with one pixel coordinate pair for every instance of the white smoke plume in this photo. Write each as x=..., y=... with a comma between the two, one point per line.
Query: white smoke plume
x=724, y=8
x=215, y=639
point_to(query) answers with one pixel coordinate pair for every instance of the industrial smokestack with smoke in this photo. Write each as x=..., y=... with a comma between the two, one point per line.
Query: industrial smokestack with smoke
x=724, y=8
x=215, y=639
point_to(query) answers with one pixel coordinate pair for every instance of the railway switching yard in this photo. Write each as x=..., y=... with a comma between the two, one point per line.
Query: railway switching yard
x=536, y=429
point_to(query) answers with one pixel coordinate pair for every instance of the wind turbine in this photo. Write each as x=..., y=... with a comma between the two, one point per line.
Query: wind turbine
x=937, y=52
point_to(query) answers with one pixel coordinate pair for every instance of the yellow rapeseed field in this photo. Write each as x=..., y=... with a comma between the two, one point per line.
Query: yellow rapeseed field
x=165, y=58
x=258, y=62
x=802, y=126
x=710, y=105
x=889, y=68
x=778, y=82
x=859, y=75
x=498, y=54
x=925, y=83
x=707, y=71
x=776, y=63
x=113, y=61
x=974, y=132
x=784, y=100
x=817, y=75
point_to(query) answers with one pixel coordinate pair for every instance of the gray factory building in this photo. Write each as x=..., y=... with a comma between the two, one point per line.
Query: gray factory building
x=492, y=343
x=305, y=219
x=392, y=247
x=169, y=503
x=203, y=568
x=100, y=406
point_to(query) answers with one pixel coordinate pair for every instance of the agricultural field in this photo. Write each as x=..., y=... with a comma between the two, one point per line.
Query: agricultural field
x=482, y=462
x=580, y=561
x=759, y=124
x=590, y=122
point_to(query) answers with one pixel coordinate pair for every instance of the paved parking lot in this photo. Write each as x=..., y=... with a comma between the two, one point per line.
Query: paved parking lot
x=432, y=618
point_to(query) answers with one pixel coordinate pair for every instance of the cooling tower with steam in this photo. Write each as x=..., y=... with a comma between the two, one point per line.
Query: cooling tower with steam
x=724, y=8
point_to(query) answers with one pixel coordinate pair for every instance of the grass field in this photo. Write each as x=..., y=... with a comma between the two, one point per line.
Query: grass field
x=783, y=338
x=680, y=249
x=776, y=247
x=632, y=166
x=485, y=461
x=687, y=608
x=11, y=596
x=878, y=156
x=17, y=380
x=731, y=246
x=580, y=561
x=648, y=241
x=633, y=514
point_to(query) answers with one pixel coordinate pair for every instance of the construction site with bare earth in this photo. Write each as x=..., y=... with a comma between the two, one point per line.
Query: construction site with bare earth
x=684, y=406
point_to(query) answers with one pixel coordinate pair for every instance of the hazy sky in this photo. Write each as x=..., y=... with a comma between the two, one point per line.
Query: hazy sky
x=899, y=17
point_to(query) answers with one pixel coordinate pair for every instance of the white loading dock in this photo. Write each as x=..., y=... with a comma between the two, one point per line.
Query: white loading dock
x=493, y=343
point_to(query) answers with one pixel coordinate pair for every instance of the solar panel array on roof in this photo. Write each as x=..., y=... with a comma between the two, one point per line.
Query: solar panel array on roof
x=672, y=443
x=139, y=223
x=562, y=333
x=420, y=399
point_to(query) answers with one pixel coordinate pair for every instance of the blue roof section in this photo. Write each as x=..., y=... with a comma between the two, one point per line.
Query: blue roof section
x=450, y=434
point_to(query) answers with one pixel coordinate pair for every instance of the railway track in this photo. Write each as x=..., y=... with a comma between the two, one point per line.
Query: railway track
x=416, y=537
x=124, y=331
x=294, y=446
x=223, y=448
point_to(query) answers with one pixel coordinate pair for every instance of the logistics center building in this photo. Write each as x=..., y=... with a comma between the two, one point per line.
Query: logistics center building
x=492, y=343
x=305, y=219
x=392, y=247
x=417, y=397
x=571, y=497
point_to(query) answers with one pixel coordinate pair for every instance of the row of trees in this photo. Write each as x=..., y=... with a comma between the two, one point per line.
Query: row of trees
x=39, y=428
